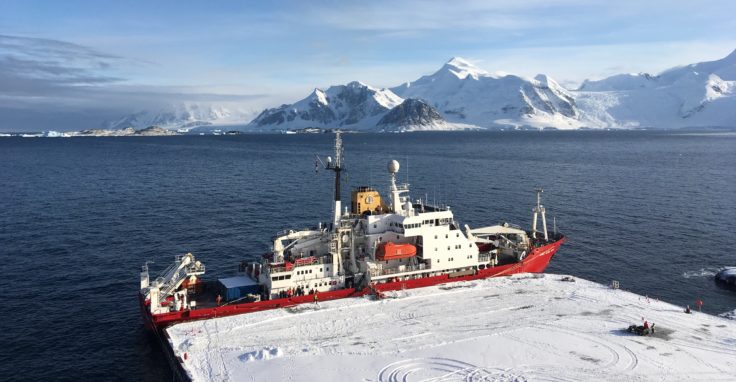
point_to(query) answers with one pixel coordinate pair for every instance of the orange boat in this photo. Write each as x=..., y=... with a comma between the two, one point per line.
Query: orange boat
x=394, y=251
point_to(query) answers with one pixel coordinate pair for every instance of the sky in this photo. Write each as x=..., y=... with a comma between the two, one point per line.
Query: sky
x=80, y=63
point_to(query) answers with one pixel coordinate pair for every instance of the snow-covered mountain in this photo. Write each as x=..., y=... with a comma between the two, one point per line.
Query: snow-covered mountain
x=460, y=94
x=181, y=116
x=415, y=115
x=696, y=95
x=463, y=93
x=355, y=105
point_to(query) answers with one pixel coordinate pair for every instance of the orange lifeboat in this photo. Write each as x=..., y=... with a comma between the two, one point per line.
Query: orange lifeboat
x=394, y=251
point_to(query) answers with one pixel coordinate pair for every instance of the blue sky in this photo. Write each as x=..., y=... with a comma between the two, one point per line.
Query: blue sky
x=125, y=54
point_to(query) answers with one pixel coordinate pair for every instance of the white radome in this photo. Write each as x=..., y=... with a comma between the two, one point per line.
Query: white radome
x=393, y=166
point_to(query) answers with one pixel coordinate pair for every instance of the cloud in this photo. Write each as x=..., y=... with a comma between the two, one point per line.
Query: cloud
x=392, y=17
x=52, y=62
x=44, y=80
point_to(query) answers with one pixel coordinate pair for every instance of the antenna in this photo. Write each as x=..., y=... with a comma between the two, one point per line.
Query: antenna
x=407, y=169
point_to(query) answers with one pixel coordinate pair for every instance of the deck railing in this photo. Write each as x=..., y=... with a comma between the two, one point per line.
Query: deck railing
x=394, y=270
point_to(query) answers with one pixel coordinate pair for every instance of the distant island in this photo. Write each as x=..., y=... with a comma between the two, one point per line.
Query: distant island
x=150, y=131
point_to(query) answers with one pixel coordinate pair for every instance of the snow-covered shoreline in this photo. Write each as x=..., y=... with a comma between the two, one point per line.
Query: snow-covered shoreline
x=523, y=327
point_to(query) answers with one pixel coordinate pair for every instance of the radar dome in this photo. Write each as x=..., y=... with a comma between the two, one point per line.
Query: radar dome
x=393, y=166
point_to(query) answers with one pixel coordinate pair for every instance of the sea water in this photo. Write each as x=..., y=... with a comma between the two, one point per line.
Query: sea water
x=653, y=210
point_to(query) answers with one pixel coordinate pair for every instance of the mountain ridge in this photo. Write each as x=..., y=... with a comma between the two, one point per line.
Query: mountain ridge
x=702, y=94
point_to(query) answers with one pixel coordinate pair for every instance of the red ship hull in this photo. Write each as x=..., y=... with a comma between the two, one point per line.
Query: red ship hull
x=535, y=262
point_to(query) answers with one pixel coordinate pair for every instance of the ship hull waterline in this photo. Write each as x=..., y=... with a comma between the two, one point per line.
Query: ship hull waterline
x=535, y=262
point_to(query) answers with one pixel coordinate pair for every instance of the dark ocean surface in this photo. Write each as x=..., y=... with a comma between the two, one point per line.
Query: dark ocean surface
x=79, y=216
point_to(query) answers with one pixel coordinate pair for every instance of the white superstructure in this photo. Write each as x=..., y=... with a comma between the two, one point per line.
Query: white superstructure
x=394, y=241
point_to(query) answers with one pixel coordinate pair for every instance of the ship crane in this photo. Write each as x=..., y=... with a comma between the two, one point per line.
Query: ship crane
x=184, y=267
x=539, y=209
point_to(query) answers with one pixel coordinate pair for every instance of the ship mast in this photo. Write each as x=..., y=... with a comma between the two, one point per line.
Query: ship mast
x=539, y=209
x=336, y=166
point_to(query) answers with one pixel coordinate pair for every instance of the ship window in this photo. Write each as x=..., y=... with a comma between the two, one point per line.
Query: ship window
x=397, y=237
x=287, y=277
x=457, y=235
x=470, y=245
x=375, y=225
x=328, y=269
x=448, y=247
x=273, y=278
x=320, y=269
x=310, y=271
x=435, y=236
x=446, y=236
x=435, y=249
x=380, y=238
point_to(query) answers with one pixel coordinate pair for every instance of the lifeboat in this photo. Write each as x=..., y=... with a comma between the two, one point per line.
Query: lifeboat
x=394, y=251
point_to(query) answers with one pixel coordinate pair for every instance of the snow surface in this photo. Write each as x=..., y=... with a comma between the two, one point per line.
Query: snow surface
x=523, y=327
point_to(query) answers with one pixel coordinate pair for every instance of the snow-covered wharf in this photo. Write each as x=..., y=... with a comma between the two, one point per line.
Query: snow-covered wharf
x=519, y=328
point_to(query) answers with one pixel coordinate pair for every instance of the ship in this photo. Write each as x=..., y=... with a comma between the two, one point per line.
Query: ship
x=373, y=246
